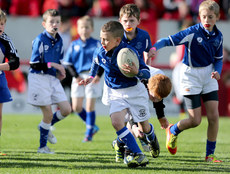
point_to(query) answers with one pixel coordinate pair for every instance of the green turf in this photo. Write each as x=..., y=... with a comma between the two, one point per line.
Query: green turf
x=20, y=140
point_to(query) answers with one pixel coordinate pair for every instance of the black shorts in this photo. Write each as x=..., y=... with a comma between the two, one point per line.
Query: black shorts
x=194, y=101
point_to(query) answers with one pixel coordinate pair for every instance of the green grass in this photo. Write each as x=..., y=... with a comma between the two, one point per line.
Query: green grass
x=20, y=140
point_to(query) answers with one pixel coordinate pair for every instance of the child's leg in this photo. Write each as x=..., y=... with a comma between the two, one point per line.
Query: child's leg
x=118, y=122
x=45, y=124
x=77, y=103
x=1, y=106
x=193, y=104
x=153, y=143
x=213, y=125
x=65, y=110
x=90, y=116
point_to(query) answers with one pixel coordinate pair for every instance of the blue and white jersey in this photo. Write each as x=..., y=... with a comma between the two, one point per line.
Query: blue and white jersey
x=45, y=49
x=202, y=47
x=141, y=42
x=80, y=54
x=108, y=61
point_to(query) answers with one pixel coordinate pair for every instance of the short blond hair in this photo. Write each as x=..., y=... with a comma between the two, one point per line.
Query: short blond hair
x=210, y=5
x=86, y=18
x=2, y=16
x=160, y=85
x=130, y=10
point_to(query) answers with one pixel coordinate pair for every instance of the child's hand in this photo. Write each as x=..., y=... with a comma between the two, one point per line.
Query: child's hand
x=151, y=53
x=215, y=75
x=164, y=122
x=61, y=74
x=130, y=68
x=78, y=79
x=137, y=132
x=86, y=81
x=96, y=79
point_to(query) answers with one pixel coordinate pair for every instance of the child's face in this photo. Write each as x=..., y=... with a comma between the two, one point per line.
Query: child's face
x=108, y=41
x=2, y=26
x=208, y=19
x=84, y=29
x=129, y=23
x=52, y=24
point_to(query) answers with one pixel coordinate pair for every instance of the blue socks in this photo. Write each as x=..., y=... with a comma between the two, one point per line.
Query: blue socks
x=125, y=135
x=174, y=130
x=151, y=134
x=82, y=115
x=210, y=147
x=44, y=130
x=90, y=122
x=56, y=117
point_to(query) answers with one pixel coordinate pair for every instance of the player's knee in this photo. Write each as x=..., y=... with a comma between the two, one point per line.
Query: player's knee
x=213, y=119
x=77, y=109
x=66, y=111
x=117, y=126
x=195, y=122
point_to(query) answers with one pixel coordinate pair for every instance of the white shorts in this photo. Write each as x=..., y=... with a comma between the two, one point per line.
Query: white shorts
x=134, y=98
x=44, y=89
x=197, y=80
x=92, y=90
x=176, y=76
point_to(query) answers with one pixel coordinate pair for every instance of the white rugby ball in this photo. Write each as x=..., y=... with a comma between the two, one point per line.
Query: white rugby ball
x=127, y=56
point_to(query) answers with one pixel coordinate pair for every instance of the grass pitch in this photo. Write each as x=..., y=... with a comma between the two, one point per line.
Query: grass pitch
x=20, y=140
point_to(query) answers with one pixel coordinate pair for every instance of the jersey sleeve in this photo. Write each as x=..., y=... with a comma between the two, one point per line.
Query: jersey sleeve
x=68, y=56
x=148, y=43
x=95, y=64
x=37, y=52
x=144, y=72
x=11, y=54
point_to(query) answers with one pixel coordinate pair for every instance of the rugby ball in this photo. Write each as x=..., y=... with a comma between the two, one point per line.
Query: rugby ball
x=127, y=56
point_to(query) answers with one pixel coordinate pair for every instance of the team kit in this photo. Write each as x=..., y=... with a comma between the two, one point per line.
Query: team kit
x=123, y=57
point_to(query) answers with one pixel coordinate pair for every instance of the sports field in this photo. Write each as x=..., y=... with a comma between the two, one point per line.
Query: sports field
x=20, y=140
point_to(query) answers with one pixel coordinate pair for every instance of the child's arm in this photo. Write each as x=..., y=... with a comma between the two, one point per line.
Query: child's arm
x=92, y=74
x=158, y=45
x=12, y=64
x=159, y=107
x=218, y=64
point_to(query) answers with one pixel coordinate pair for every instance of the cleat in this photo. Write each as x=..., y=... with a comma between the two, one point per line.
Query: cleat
x=154, y=148
x=119, y=151
x=87, y=139
x=2, y=154
x=212, y=158
x=127, y=153
x=144, y=144
x=95, y=129
x=135, y=160
x=171, y=141
x=51, y=138
x=45, y=150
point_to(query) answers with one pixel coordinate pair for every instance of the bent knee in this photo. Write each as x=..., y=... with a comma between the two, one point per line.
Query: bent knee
x=66, y=111
x=195, y=122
